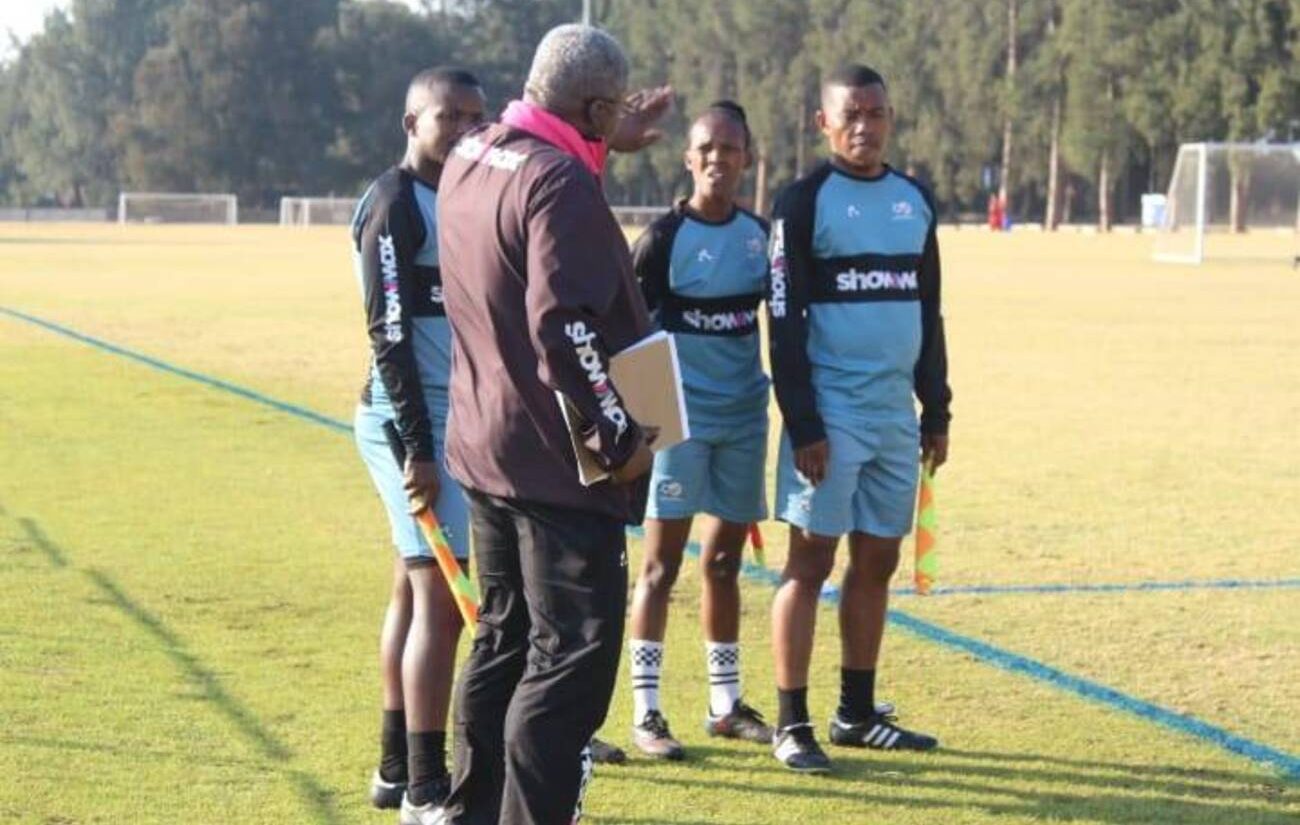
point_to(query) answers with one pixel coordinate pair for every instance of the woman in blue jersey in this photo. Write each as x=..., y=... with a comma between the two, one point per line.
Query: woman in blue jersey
x=702, y=268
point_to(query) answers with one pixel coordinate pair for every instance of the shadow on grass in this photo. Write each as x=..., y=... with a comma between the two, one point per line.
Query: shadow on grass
x=318, y=799
x=995, y=783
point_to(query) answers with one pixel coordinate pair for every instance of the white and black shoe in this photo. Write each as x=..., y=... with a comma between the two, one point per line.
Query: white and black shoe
x=879, y=732
x=431, y=812
x=796, y=747
x=386, y=795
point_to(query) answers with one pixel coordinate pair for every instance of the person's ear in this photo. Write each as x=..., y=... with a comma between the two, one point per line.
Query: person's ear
x=821, y=120
x=408, y=123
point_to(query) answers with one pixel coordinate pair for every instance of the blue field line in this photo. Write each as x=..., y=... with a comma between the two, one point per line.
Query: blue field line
x=243, y=392
x=1288, y=764
x=1113, y=587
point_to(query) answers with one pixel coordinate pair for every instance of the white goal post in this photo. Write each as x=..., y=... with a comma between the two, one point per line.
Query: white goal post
x=177, y=207
x=320, y=211
x=1218, y=190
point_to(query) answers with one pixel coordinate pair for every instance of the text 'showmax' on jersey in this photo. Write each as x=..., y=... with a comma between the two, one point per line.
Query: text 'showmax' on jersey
x=704, y=281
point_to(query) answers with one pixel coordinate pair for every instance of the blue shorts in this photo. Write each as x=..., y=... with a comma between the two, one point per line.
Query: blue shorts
x=451, y=508
x=870, y=484
x=718, y=471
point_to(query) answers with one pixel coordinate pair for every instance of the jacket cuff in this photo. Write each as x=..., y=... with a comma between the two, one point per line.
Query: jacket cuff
x=935, y=423
x=805, y=431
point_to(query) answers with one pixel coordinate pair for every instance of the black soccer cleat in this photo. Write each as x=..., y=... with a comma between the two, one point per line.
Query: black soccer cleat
x=386, y=795
x=796, y=747
x=603, y=753
x=879, y=732
x=743, y=722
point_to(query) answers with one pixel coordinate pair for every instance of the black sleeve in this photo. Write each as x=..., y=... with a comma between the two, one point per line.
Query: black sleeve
x=790, y=269
x=930, y=376
x=573, y=279
x=651, y=255
x=387, y=239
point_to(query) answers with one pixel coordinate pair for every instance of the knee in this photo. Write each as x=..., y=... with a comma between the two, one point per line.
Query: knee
x=810, y=566
x=876, y=568
x=658, y=574
x=400, y=597
x=438, y=606
x=720, y=566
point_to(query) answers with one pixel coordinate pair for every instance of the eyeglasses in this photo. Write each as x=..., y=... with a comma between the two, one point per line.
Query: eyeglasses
x=619, y=106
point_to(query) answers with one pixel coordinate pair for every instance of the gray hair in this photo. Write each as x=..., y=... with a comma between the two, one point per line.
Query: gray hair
x=573, y=64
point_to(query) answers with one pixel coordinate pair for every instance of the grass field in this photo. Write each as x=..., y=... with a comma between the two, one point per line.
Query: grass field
x=191, y=581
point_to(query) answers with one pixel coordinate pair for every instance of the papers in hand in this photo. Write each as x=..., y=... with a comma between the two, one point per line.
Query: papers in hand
x=649, y=379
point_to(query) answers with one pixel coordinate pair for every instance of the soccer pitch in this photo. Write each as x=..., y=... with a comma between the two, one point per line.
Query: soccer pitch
x=193, y=564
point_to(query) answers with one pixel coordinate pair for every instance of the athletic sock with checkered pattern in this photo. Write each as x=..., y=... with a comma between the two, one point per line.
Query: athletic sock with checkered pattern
x=724, y=676
x=647, y=660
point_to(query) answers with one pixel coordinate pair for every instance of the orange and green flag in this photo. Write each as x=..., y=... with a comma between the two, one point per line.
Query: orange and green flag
x=756, y=541
x=927, y=527
x=461, y=586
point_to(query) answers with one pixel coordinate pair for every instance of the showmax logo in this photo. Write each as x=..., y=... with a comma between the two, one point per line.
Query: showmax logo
x=777, y=287
x=591, y=362
x=392, y=298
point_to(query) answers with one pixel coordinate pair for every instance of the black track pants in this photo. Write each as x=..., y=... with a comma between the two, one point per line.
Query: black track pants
x=538, y=682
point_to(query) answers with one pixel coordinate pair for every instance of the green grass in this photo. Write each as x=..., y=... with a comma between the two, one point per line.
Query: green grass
x=191, y=584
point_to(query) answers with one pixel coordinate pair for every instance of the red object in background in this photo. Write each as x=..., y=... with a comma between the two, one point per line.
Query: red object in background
x=996, y=212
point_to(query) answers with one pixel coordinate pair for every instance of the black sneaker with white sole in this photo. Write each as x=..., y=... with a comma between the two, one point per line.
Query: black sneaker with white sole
x=603, y=753
x=796, y=747
x=879, y=732
x=386, y=795
x=431, y=812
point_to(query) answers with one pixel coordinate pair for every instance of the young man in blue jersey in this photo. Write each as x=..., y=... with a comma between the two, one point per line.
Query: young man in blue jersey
x=702, y=267
x=856, y=332
x=395, y=244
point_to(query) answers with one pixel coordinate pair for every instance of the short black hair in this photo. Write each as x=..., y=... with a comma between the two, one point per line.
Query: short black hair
x=439, y=77
x=853, y=76
x=732, y=110
x=445, y=76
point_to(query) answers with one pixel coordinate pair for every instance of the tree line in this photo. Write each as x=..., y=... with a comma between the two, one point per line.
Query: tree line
x=1068, y=109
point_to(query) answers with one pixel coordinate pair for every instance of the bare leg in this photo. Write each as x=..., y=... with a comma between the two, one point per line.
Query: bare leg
x=864, y=598
x=428, y=664
x=665, y=541
x=794, y=610
x=724, y=547
x=392, y=639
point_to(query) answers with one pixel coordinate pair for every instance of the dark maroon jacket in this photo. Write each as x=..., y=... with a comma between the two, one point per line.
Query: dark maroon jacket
x=539, y=289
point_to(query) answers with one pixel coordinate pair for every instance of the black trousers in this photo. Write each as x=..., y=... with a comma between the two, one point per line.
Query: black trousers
x=538, y=682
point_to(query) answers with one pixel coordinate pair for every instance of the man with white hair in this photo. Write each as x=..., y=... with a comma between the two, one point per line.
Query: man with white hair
x=540, y=292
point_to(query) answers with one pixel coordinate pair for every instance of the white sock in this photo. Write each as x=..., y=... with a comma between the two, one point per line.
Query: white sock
x=724, y=676
x=647, y=660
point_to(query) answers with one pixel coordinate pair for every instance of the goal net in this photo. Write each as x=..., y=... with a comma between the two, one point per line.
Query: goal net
x=316, y=211
x=176, y=207
x=1230, y=200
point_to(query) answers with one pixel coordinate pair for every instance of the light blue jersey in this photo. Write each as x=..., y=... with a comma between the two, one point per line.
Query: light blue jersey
x=703, y=282
x=411, y=284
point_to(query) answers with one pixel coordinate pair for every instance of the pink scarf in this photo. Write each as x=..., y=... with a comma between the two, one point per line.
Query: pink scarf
x=553, y=129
